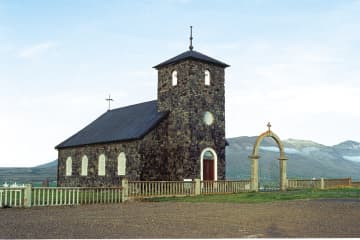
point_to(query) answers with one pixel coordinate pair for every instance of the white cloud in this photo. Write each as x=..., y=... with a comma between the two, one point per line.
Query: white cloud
x=36, y=50
x=352, y=158
x=276, y=149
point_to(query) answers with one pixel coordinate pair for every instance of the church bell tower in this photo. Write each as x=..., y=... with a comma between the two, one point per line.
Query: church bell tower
x=191, y=88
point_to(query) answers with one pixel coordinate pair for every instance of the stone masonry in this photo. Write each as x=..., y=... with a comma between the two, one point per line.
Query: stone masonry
x=145, y=160
x=187, y=102
x=172, y=149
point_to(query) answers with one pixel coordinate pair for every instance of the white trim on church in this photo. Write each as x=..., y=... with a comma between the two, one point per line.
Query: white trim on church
x=101, y=167
x=202, y=163
x=68, y=166
x=84, y=166
x=122, y=164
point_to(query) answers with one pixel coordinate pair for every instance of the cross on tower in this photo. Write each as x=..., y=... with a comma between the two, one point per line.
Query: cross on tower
x=109, y=99
x=269, y=126
x=191, y=38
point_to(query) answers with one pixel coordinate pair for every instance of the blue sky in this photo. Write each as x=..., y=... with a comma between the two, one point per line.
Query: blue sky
x=294, y=63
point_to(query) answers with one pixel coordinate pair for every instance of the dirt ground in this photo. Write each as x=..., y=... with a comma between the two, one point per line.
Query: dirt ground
x=302, y=218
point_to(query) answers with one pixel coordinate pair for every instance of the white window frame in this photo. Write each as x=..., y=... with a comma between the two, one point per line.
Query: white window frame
x=102, y=165
x=207, y=77
x=68, y=170
x=121, y=164
x=174, y=78
x=84, y=165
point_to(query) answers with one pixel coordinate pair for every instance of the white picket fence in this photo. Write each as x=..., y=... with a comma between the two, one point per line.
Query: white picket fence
x=144, y=189
x=58, y=196
x=52, y=196
x=11, y=197
x=320, y=183
x=222, y=187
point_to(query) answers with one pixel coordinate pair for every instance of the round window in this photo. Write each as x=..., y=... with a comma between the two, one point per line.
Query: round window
x=208, y=118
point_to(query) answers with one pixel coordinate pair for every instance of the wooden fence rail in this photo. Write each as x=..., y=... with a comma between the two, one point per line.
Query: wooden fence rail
x=319, y=183
x=51, y=196
x=337, y=182
x=11, y=197
x=219, y=187
x=303, y=183
x=143, y=189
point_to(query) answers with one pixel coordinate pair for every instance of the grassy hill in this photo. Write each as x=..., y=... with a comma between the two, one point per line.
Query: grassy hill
x=307, y=159
x=29, y=175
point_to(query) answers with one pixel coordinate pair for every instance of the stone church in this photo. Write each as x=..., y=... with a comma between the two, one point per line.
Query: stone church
x=179, y=136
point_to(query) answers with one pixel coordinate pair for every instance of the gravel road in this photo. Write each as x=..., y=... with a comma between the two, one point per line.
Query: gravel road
x=301, y=218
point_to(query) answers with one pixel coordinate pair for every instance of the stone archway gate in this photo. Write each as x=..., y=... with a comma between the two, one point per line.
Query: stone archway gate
x=254, y=180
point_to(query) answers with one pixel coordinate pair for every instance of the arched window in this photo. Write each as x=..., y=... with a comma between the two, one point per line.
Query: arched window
x=207, y=77
x=174, y=78
x=101, y=170
x=68, y=166
x=122, y=164
x=84, y=166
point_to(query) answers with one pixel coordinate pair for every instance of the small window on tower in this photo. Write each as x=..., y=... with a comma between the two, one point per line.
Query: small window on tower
x=174, y=78
x=207, y=77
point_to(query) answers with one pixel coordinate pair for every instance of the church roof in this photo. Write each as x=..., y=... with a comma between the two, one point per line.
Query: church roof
x=121, y=124
x=192, y=55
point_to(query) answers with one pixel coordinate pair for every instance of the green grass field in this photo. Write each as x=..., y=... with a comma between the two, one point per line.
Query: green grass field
x=260, y=197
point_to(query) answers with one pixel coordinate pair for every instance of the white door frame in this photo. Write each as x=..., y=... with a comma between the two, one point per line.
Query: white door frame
x=202, y=163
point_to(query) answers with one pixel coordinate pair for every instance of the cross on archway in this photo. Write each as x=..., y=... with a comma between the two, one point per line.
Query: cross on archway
x=269, y=126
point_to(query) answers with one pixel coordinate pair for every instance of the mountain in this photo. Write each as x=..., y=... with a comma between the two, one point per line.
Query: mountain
x=29, y=175
x=307, y=159
x=349, y=150
x=50, y=165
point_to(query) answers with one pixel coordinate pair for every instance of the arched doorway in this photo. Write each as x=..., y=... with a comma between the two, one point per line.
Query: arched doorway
x=208, y=165
x=254, y=180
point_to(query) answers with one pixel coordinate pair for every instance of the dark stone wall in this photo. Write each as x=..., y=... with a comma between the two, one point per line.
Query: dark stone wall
x=187, y=102
x=172, y=150
x=145, y=160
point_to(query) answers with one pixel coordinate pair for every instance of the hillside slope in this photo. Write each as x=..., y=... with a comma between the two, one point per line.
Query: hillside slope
x=307, y=159
x=29, y=175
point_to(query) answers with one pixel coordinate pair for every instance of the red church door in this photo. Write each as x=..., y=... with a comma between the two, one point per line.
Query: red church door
x=208, y=170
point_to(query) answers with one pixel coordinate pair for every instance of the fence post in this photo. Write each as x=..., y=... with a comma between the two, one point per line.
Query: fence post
x=350, y=182
x=197, y=186
x=27, y=195
x=322, y=183
x=124, y=190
